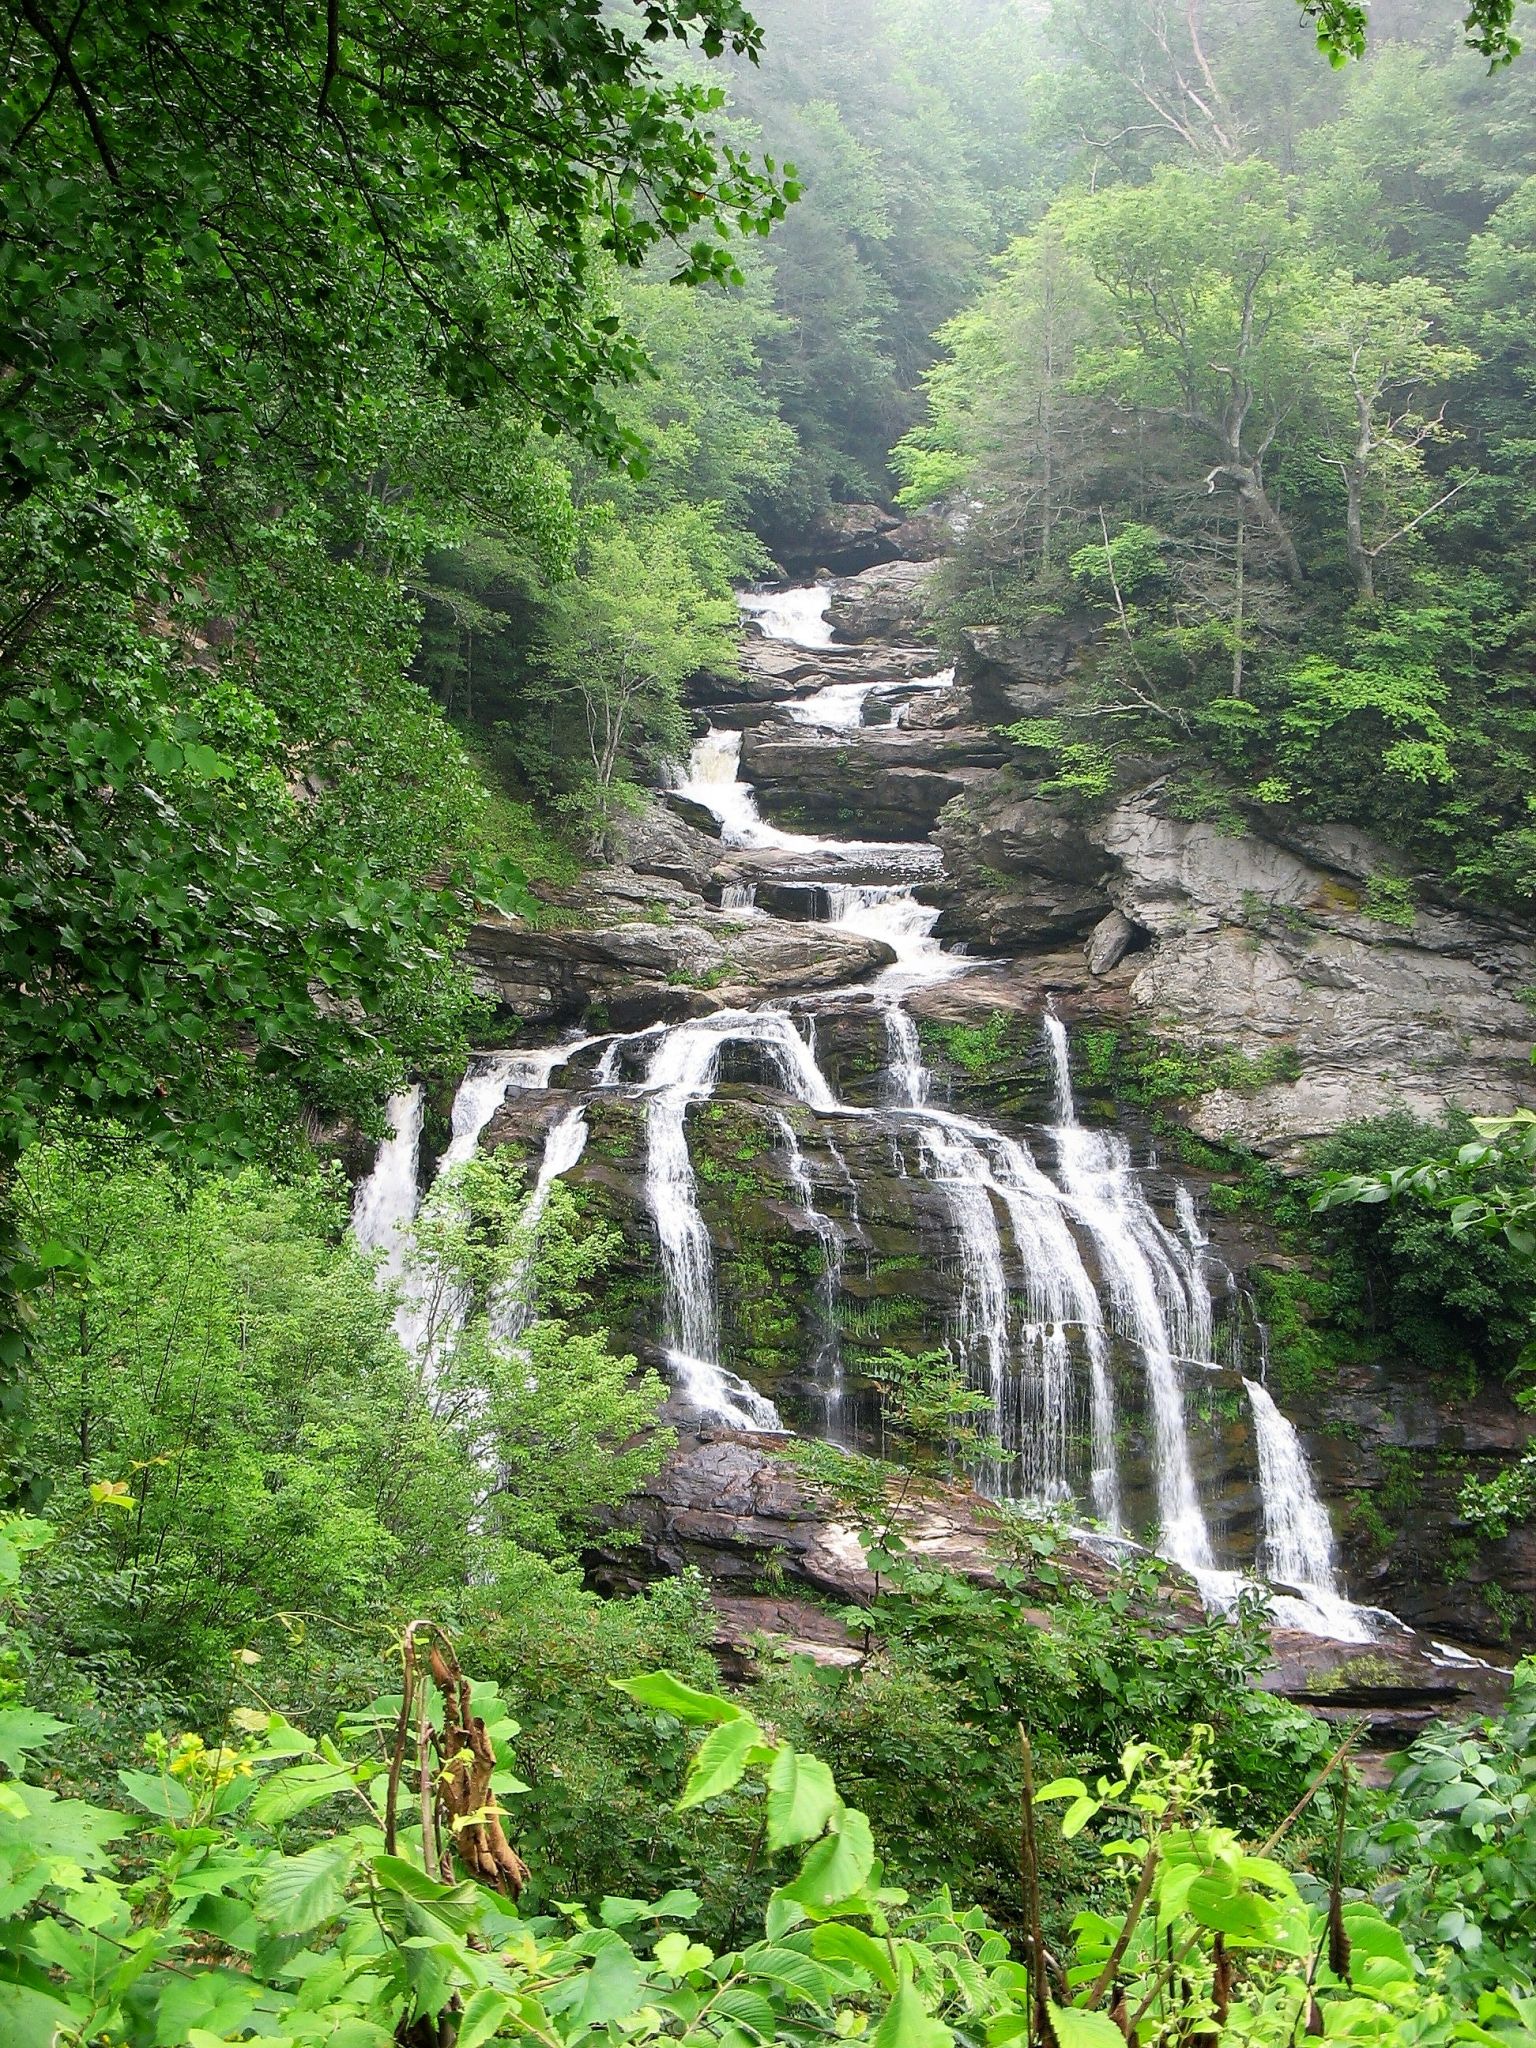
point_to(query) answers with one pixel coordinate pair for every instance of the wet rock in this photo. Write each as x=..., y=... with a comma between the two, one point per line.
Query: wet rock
x=1109, y=942
x=693, y=815
x=852, y=537
x=1018, y=872
x=885, y=602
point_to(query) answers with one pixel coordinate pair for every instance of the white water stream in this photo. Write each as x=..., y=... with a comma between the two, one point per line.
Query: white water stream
x=798, y=615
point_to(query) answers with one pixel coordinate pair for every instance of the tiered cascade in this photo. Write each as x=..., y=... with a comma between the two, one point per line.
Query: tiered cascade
x=1085, y=1317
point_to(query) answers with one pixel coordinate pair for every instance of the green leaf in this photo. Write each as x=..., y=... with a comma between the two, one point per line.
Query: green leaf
x=837, y=1941
x=837, y=1867
x=801, y=1798
x=909, y=2024
x=790, y=1967
x=747, y=2009
x=294, y=1791
x=1217, y=1902
x=165, y=1798
x=483, y=2016
x=720, y=1759
x=20, y=1730
x=34, y=2019
x=303, y=1892
x=608, y=1991
x=1075, y=2029
x=669, y=1695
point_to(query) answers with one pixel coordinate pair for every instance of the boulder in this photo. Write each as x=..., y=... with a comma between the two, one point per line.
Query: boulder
x=881, y=603
x=660, y=841
x=1109, y=942
x=873, y=783
x=1010, y=674
x=635, y=974
x=1018, y=872
x=848, y=538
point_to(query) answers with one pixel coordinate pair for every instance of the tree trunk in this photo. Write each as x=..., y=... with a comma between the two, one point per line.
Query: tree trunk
x=1247, y=480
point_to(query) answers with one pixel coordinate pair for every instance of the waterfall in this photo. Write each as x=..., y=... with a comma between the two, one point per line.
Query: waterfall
x=1298, y=1538
x=958, y=1169
x=564, y=1142
x=431, y=1310
x=739, y=896
x=1152, y=1299
x=889, y=911
x=839, y=707
x=682, y=1071
x=828, y=1363
x=908, y=1080
x=798, y=616
x=713, y=779
x=1061, y=1296
x=920, y=686
x=975, y=1168
x=387, y=1200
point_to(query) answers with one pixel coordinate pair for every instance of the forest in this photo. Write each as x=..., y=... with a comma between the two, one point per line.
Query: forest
x=767, y=956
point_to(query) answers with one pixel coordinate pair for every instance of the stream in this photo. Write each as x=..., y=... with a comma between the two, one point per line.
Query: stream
x=1068, y=1277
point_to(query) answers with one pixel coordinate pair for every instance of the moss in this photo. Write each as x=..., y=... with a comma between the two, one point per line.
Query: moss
x=1133, y=1065
x=1306, y=1349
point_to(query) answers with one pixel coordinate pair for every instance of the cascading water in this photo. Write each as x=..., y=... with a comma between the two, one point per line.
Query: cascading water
x=432, y=1307
x=1148, y=1295
x=712, y=780
x=840, y=707
x=828, y=1362
x=891, y=912
x=798, y=615
x=908, y=1081
x=1031, y=1326
x=387, y=1199
x=564, y=1142
x=682, y=1071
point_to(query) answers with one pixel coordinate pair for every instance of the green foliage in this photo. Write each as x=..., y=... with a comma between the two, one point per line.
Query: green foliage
x=1454, y=1846
x=238, y=1435
x=1442, y=1247
x=924, y=1397
x=1133, y=1065
x=227, y=1923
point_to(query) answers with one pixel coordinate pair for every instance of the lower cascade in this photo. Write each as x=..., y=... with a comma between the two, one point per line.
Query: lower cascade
x=1083, y=1316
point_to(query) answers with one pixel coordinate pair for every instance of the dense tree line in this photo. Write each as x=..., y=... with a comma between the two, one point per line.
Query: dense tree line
x=1255, y=388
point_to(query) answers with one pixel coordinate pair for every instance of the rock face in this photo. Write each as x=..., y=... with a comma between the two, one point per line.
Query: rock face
x=1243, y=942
x=884, y=603
x=1009, y=675
x=724, y=1506
x=1018, y=873
x=874, y=783
x=1257, y=946
x=637, y=974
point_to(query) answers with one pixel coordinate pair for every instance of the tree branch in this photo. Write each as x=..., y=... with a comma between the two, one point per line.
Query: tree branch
x=332, y=55
x=41, y=26
x=1428, y=512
